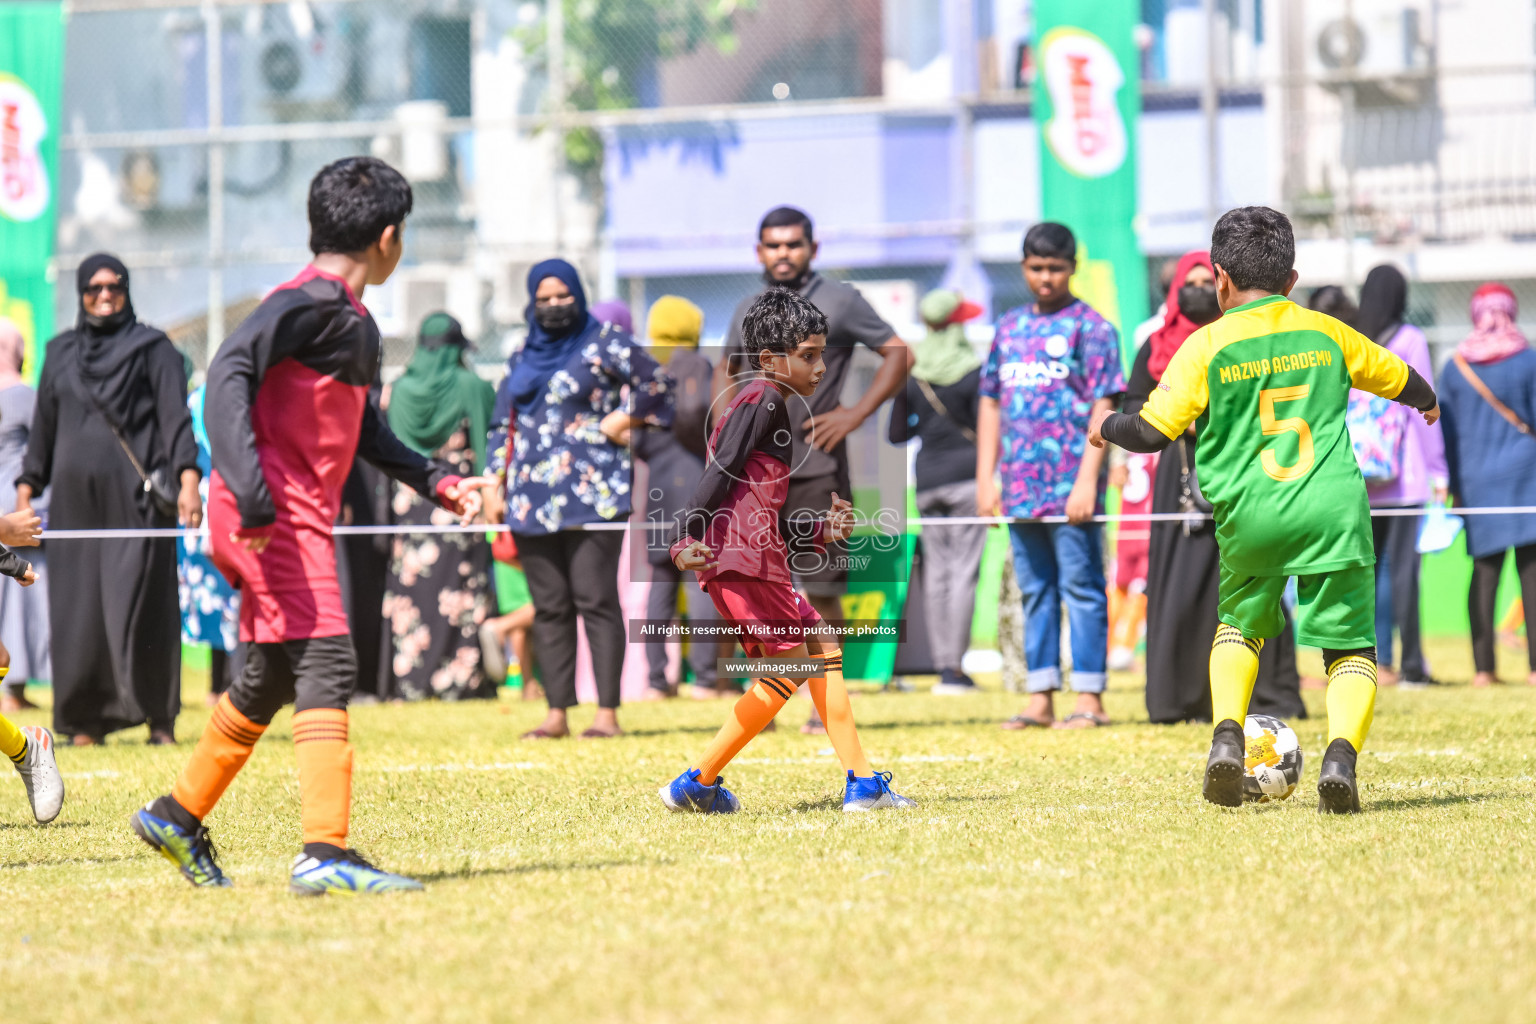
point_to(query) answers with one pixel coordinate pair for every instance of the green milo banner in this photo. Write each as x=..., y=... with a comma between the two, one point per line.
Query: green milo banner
x=31, y=69
x=1086, y=102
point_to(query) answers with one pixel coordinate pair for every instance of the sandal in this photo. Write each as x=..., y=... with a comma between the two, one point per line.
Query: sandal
x=594, y=733
x=1082, y=720
x=540, y=734
x=1025, y=722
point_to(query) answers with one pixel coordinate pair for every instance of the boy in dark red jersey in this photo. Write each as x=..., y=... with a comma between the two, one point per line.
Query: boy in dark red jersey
x=733, y=538
x=288, y=408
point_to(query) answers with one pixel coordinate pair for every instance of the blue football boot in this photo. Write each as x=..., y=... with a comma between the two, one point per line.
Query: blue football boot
x=687, y=793
x=873, y=794
x=346, y=874
x=192, y=852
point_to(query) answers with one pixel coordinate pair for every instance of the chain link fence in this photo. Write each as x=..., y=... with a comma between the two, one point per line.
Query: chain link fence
x=643, y=139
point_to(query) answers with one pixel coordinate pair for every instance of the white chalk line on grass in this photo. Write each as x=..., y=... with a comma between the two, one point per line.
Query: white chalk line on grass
x=822, y=756
x=493, y=766
x=389, y=529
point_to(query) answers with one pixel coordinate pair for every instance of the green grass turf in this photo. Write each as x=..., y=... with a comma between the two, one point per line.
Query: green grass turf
x=1046, y=876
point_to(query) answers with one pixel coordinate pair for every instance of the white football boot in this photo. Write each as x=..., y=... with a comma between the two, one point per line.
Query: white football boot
x=40, y=773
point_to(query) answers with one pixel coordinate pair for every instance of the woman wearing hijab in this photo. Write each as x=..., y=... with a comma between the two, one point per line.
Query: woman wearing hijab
x=938, y=405
x=23, y=610
x=1488, y=397
x=1409, y=472
x=438, y=593
x=564, y=406
x=112, y=440
x=1183, y=563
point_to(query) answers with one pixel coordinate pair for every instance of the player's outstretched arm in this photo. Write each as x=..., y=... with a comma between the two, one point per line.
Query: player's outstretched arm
x=1132, y=433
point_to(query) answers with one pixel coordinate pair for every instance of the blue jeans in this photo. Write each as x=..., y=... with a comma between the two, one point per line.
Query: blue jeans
x=1055, y=562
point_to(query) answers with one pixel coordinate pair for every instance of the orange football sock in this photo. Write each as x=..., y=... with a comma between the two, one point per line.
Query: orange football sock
x=222, y=751
x=325, y=774
x=753, y=710
x=831, y=699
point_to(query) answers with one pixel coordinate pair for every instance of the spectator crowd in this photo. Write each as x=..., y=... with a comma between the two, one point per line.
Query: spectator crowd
x=592, y=427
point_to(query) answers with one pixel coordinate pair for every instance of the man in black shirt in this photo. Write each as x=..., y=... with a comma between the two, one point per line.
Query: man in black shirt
x=786, y=246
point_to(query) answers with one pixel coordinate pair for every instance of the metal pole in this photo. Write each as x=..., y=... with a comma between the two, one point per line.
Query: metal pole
x=1210, y=108
x=214, y=42
x=555, y=51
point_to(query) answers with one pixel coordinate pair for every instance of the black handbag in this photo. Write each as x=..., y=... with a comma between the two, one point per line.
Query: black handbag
x=1191, y=501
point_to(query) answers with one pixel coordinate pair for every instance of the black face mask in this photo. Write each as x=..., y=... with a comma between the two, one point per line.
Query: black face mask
x=557, y=319
x=109, y=324
x=1198, y=303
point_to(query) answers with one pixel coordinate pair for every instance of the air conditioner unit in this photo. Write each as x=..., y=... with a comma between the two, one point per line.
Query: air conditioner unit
x=1380, y=48
x=437, y=287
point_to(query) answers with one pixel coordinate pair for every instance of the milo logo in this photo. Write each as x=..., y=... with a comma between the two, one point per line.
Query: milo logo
x=1086, y=132
x=23, y=179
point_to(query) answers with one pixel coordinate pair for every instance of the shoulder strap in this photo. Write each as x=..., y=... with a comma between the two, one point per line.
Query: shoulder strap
x=84, y=394
x=1488, y=395
x=933, y=400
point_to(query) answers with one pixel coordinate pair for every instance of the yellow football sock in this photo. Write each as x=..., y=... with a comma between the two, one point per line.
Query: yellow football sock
x=753, y=710
x=1351, y=699
x=831, y=699
x=1234, y=670
x=13, y=742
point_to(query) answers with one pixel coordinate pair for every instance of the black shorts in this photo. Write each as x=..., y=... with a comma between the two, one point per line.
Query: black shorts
x=316, y=673
x=815, y=574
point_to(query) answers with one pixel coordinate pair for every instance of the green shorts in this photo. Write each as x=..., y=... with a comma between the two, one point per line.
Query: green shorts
x=1336, y=610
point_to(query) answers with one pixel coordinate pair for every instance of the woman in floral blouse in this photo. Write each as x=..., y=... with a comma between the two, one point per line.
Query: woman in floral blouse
x=565, y=405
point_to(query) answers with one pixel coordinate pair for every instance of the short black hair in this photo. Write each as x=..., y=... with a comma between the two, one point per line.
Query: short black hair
x=352, y=201
x=779, y=320
x=1256, y=247
x=1335, y=302
x=1050, y=240
x=786, y=217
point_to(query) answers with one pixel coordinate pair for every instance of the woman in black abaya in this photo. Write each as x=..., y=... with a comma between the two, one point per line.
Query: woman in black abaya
x=1183, y=564
x=110, y=386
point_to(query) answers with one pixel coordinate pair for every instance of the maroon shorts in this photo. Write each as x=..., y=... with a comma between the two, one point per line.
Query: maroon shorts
x=772, y=617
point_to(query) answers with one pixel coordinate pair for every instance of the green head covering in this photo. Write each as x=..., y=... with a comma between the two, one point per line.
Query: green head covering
x=438, y=392
x=944, y=356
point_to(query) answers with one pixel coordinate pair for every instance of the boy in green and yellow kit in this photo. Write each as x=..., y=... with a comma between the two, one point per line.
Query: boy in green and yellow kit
x=1267, y=386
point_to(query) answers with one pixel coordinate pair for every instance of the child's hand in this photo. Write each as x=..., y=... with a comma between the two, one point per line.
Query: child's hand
x=20, y=529
x=464, y=497
x=988, y=503
x=839, y=520
x=1082, y=502
x=616, y=427
x=1433, y=415
x=1096, y=438
x=694, y=557
x=255, y=544
x=29, y=578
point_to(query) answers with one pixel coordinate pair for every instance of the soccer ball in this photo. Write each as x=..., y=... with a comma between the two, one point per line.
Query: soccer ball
x=1272, y=761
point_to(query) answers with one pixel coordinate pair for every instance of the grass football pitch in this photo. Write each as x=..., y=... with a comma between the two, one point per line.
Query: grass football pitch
x=1045, y=876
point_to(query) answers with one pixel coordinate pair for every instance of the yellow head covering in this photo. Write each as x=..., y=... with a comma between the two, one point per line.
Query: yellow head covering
x=673, y=323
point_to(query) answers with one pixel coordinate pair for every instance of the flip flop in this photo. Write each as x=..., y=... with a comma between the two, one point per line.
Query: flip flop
x=1025, y=722
x=540, y=734
x=1082, y=720
x=595, y=733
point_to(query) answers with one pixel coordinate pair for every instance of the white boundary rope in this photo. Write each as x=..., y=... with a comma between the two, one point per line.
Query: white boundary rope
x=390, y=530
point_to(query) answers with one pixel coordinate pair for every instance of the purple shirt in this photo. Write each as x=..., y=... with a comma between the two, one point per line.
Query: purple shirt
x=1423, y=459
x=1046, y=370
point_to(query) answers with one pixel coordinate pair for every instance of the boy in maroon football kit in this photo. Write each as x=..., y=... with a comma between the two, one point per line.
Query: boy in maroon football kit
x=732, y=537
x=288, y=409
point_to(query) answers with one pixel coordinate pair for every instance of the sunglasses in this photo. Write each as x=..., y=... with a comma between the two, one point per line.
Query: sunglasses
x=110, y=289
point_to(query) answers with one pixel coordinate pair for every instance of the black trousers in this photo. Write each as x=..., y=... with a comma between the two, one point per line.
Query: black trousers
x=318, y=673
x=1397, y=552
x=569, y=573
x=1480, y=604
